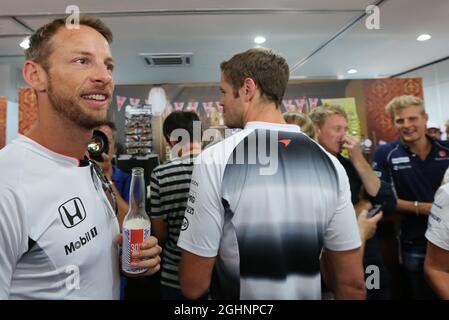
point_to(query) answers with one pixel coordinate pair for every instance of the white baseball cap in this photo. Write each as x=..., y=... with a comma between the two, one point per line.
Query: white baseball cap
x=431, y=124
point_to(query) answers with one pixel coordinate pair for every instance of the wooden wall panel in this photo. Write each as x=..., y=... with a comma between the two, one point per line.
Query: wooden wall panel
x=3, y=104
x=27, y=109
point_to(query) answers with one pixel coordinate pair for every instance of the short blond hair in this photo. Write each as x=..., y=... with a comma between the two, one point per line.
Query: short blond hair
x=320, y=114
x=402, y=102
x=300, y=119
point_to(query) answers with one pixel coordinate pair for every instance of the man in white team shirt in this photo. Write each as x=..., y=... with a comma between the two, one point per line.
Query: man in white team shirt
x=261, y=230
x=436, y=265
x=58, y=231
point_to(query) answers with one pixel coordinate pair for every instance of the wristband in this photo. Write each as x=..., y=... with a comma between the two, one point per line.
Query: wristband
x=416, y=204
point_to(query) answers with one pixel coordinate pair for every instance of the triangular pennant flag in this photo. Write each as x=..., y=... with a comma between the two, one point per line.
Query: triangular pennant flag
x=219, y=106
x=120, y=102
x=134, y=101
x=178, y=105
x=288, y=104
x=207, y=106
x=191, y=106
x=313, y=103
x=306, y=107
x=300, y=104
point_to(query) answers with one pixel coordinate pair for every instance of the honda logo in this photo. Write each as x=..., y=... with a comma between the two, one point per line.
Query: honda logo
x=72, y=212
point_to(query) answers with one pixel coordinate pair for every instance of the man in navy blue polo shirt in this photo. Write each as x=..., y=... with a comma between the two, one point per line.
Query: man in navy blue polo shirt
x=415, y=166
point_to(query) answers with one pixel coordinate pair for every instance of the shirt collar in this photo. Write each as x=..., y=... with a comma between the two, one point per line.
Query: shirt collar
x=272, y=126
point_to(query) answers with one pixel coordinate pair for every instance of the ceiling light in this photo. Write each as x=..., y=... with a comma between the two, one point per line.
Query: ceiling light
x=297, y=77
x=25, y=44
x=352, y=71
x=424, y=37
x=259, y=40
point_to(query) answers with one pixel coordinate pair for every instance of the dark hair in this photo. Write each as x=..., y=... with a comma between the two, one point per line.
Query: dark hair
x=40, y=41
x=268, y=70
x=181, y=120
x=111, y=125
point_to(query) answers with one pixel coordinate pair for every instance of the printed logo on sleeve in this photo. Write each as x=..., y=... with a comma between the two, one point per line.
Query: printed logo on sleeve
x=190, y=210
x=185, y=224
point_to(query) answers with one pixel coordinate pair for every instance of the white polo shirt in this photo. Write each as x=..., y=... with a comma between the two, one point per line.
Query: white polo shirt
x=438, y=222
x=56, y=230
x=267, y=215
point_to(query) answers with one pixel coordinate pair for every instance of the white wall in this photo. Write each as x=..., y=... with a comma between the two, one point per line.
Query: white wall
x=12, y=121
x=436, y=90
x=10, y=82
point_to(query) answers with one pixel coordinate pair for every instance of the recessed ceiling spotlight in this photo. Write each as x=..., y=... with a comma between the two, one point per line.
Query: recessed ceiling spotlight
x=424, y=37
x=352, y=71
x=259, y=40
x=25, y=44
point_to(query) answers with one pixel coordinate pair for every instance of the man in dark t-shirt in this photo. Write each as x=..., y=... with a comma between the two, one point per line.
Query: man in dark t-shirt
x=331, y=124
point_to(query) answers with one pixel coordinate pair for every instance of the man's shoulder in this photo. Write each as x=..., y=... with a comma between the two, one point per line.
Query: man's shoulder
x=120, y=175
x=386, y=148
x=221, y=150
x=12, y=163
x=120, y=171
x=173, y=164
x=444, y=144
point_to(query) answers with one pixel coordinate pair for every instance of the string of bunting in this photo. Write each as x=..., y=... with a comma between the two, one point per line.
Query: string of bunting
x=301, y=105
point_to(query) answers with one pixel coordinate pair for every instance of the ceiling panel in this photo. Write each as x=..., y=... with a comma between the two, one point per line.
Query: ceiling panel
x=8, y=26
x=215, y=37
x=211, y=39
x=18, y=7
x=390, y=50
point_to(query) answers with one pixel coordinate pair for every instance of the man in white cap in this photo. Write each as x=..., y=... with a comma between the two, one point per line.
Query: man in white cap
x=433, y=130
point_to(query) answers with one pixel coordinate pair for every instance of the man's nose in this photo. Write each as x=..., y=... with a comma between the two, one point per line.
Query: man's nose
x=101, y=75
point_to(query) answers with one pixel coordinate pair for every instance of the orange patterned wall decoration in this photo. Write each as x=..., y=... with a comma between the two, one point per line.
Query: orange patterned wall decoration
x=3, y=104
x=377, y=95
x=27, y=109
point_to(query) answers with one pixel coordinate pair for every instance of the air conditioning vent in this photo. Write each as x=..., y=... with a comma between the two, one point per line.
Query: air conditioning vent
x=166, y=59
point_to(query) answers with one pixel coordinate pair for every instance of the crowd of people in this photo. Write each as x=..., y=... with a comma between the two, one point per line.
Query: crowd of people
x=272, y=212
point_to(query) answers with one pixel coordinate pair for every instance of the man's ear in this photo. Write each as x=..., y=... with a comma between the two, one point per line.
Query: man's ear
x=35, y=76
x=249, y=88
x=317, y=130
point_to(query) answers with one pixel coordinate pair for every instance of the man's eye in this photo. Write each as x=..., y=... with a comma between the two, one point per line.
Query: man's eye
x=81, y=61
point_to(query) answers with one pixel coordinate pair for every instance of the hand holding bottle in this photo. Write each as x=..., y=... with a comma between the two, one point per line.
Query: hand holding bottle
x=147, y=256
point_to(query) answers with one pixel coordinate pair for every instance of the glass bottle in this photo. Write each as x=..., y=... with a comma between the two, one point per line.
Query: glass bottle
x=136, y=225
